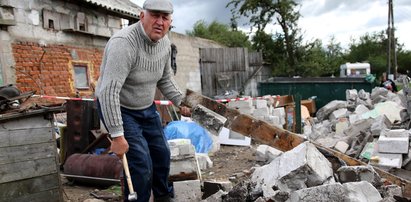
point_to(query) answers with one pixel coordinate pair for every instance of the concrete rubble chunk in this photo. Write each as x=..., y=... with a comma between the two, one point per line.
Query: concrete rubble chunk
x=386, y=160
x=389, y=108
x=377, y=92
x=330, y=192
x=351, y=94
x=341, y=125
x=359, y=173
x=210, y=120
x=389, y=191
x=204, y=161
x=359, y=126
x=259, y=103
x=380, y=124
x=361, y=192
x=339, y=113
x=241, y=103
x=302, y=167
x=361, y=109
x=326, y=110
x=363, y=95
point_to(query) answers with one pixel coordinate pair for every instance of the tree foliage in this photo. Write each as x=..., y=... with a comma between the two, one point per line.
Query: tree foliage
x=220, y=33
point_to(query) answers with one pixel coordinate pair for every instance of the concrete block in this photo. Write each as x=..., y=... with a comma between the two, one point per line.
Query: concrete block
x=361, y=191
x=377, y=92
x=325, y=111
x=267, y=153
x=361, y=125
x=359, y=173
x=189, y=190
x=380, y=124
x=246, y=110
x=341, y=146
x=181, y=148
x=330, y=192
x=259, y=103
x=229, y=137
x=274, y=120
x=328, y=142
x=386, y=159
x=396, y=145
x=363, y=95
x=280, y=112
x=302, y=167
x=241, y=104
x=341, y=125
x=186, y=169
x=210, y=120
x=361, y=109
x=339, y=113
x=351, y=94
x=263, y=111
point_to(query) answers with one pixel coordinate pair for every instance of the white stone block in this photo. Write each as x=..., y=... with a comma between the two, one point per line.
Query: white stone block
x=361, y=191
x=261, y=112
x=241, y=104
x=341, y=146
x=204, y=161
x=339, y=113
x=280, y=112
x=361, y=109
x=246, y=110
x=341, y=125
x=386, y=160
x=259, y=103
x=397, y=145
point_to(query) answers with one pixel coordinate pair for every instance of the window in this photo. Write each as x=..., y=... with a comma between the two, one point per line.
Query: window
x=81, y=76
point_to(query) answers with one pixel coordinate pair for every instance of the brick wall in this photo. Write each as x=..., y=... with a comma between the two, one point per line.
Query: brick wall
x=48, y=70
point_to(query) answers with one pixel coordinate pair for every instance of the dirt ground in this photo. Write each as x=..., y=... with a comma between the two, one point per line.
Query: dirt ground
x=229, y=163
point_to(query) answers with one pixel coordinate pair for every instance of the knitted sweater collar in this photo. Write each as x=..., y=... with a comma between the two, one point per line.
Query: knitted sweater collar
x=144, y=36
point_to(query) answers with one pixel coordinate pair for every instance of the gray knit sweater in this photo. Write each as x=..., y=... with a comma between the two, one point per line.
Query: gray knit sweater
x=132, y=67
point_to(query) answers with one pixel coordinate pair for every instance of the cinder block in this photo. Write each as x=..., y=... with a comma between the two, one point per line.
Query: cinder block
x=189, y=190
x=263, y=111
x=210, y=120
x=259, y=103
x=241, y=104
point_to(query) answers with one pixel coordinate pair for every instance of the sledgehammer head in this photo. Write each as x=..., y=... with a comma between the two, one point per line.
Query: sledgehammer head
x=132, y=196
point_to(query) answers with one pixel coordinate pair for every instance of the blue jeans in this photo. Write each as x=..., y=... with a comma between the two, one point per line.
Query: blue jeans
x=148, y=155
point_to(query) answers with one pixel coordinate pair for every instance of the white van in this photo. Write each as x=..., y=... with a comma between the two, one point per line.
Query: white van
x=355, y=69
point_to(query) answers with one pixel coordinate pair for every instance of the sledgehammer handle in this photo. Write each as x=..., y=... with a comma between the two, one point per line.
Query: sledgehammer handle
x=127, y=172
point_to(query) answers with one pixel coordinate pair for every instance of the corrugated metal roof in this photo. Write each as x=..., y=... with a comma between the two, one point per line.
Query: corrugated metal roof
x=119, y=6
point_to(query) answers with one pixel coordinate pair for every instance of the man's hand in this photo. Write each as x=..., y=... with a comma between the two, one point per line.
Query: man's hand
x=119, y=146
x=185, y=111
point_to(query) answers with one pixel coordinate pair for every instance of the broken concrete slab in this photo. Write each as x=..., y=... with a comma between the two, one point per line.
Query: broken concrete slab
x=386, y=160
x=378, y=92
x=341, y=146
x=339, y=113
x=358, y=127
x=302, y=167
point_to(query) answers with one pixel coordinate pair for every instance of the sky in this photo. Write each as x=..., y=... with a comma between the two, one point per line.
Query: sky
x=320, y=19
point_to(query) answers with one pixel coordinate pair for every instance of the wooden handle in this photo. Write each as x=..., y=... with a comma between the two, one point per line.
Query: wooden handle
x=127, y=173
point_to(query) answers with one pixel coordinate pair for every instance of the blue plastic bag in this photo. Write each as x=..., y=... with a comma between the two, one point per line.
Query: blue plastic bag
x=190, y=130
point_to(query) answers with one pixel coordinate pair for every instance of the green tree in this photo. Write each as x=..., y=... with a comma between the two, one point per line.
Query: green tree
x=282, y=13
x=220, y=33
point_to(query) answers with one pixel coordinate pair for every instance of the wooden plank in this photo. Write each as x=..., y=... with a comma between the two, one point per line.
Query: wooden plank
x=27, y=169
x=276, y=137
x=53, y=195
x=29, y=152
x=29, y=186
x=15, y=137
x=26, y=123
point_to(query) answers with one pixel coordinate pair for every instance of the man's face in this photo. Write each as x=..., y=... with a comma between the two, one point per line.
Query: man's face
x=156, y=24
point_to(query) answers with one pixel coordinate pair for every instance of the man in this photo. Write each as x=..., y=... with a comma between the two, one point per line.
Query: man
x=388, y=83
x=137, y=60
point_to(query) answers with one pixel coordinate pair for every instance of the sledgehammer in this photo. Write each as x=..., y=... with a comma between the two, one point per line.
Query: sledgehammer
x=133, y=195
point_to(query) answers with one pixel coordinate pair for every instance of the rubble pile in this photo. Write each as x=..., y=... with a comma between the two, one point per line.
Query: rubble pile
x=370, y=127
x=305, y=174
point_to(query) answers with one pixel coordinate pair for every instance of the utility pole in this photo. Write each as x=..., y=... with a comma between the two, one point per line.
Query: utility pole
x=391, y=48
